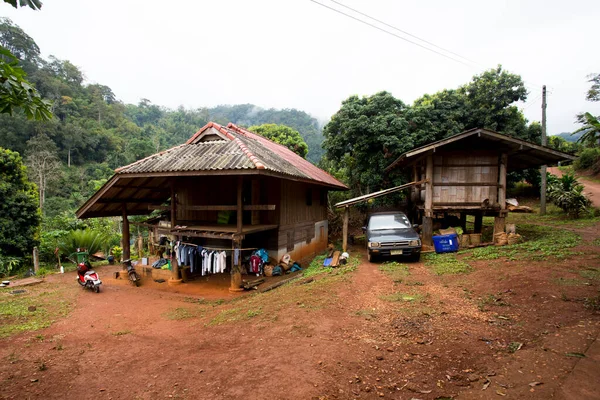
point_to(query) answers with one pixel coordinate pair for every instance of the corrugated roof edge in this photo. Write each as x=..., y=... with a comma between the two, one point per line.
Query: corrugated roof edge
x=148, y=158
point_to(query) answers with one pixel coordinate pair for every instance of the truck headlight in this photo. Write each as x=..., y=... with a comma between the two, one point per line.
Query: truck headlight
x=415, y=242
x=373, y=244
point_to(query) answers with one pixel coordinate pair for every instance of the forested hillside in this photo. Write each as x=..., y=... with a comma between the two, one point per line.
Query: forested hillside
x=93, y=132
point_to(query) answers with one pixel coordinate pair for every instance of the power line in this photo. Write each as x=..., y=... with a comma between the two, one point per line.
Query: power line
x=406, y=33
x=391, y=33
x=532, y=85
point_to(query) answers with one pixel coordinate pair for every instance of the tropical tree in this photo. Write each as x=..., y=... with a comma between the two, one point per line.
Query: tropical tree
x=567, y=194
x=19, y=214
x=283, y=135
x=590, y=129
x=43, y=163
x=363, y=137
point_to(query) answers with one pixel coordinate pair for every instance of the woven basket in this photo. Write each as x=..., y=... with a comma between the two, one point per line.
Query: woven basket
x=465, y=240
x=475, y=238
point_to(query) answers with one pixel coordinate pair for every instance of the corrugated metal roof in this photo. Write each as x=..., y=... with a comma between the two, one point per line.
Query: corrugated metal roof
x=239, y=149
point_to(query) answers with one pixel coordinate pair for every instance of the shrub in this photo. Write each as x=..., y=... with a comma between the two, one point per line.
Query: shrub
x=567, y=194
x=588, y=158
x=7, y=264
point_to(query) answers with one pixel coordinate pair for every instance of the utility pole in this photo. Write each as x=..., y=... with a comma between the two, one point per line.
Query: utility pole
x=543, y=168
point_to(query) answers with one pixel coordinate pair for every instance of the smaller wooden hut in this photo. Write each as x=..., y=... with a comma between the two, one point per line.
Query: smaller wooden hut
x=465, y=174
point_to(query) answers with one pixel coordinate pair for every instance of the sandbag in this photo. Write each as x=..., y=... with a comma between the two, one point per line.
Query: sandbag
x=501, y=239
x=513, y=238
x=268, y=270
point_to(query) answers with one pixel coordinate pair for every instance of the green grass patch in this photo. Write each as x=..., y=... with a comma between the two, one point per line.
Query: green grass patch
x=50, y=306
x=181, y=313
x=590, y=273
x=395, y=270
x=446, y=264
x=569, y=282
x=539, y=243
x=490, y=300
x=404, y=297
x=316, y=266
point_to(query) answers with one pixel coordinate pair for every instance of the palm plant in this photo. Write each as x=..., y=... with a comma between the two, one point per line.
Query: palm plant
x=591, y=129
x=90, y=240
x=567, y=194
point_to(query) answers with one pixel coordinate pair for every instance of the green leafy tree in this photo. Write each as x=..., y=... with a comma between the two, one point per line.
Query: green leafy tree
x=364, y=135
x=19, y=213
x=593, y=93
x=283, y=135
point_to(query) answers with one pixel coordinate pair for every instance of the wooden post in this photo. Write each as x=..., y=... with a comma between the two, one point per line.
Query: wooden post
x=255, y=215
x=428, y=217
x=463, y=221
x=543, y=183
x=499, y=225
x=175, y=280
x=345, y=228
x=478, y=223
x=502, y=181
x=36, y=260
x=126, y=247
x=240, y=207
x=236, y=267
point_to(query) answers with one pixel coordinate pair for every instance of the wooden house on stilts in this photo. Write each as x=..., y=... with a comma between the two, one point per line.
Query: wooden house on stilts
x=228, y=187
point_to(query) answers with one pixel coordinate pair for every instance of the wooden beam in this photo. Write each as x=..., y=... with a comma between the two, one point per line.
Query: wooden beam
x=126, y=248
x=429, y=186
x=155, y=188
x=376, y=194
x=427, y=231
x=129, y=201
x=465, y=165
x=258, y=207
x=173, y=204
x=478, y=223
x=236, y=264
x=161, y=208
x=345, y=228
x=467, y=184
x=502, y=181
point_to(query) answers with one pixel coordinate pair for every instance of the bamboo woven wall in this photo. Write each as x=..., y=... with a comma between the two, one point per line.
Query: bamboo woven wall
x=450, y=170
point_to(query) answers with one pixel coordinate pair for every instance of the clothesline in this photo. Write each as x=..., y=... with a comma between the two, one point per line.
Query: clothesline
x=217, y=248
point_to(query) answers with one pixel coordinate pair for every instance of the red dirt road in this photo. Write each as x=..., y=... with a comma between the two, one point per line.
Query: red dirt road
x=502, y=327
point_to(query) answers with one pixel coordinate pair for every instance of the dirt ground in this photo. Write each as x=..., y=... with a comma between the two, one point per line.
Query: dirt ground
x=514, y=329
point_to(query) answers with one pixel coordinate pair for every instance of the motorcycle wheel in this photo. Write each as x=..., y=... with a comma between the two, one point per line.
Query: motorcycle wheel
x=97, y=288
x=138, y=280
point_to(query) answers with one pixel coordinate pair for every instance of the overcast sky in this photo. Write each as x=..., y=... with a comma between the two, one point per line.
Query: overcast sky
x=298, y=54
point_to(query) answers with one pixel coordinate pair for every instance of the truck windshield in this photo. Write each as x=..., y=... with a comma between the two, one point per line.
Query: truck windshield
x=388, y=221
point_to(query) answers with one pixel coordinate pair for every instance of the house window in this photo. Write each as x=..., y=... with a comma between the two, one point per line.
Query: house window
x=323, y=198
x=308, y=197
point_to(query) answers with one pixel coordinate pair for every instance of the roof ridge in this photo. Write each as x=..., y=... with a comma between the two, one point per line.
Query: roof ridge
x=255, y=160
x=211, y=124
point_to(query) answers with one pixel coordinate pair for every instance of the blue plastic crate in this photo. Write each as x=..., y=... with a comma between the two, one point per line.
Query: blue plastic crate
x=445, y=243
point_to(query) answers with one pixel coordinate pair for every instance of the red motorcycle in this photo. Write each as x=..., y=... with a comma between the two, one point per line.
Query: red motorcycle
x=87, y=277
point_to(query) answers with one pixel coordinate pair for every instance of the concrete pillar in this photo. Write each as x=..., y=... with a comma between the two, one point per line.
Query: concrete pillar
x=36, y=260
